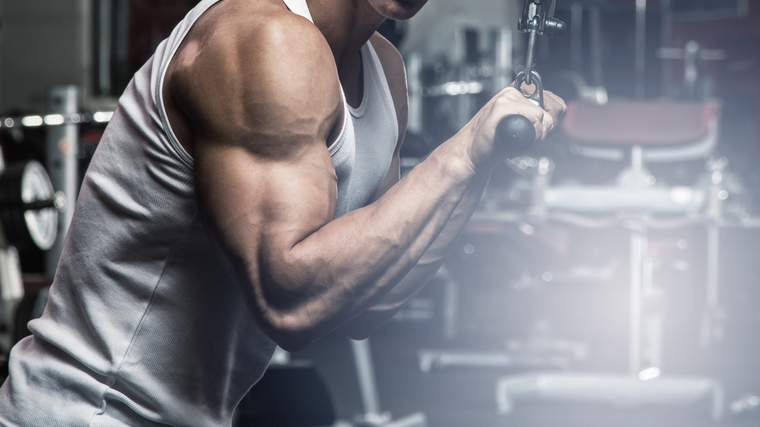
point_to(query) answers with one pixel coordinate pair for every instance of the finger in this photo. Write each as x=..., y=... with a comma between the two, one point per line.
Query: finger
x=511, y=101
x=548, y=123
x=555, y=106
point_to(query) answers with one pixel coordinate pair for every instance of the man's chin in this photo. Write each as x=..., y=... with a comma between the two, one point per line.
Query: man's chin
x=404, y=10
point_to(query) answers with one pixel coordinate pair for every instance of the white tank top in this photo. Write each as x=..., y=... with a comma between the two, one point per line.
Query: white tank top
x=143, y=325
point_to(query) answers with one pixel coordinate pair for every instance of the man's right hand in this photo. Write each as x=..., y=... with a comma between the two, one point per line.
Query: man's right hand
x=483, y=151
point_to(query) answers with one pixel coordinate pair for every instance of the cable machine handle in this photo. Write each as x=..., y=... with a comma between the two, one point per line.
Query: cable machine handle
x=516, y=134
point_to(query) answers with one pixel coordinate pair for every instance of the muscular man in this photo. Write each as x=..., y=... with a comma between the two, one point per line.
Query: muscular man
x=246, y=194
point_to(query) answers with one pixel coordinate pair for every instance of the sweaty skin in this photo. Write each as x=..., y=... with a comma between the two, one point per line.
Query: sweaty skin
x=253, y=95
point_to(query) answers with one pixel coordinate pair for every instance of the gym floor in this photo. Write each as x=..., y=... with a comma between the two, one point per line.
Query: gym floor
x=465, y=397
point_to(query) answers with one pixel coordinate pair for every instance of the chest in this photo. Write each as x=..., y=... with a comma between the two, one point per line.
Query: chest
x=362, y=154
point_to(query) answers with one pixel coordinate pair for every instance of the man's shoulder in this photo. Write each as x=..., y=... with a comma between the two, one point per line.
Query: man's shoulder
x=246, y=49
x=247, y=34
x=259, y=67
x=395, y=75
x=387, y=53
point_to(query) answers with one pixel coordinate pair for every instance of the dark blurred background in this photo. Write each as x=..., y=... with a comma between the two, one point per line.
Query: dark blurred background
x=533, y=290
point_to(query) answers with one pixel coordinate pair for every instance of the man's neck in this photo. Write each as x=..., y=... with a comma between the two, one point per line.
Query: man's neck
x=345, y=24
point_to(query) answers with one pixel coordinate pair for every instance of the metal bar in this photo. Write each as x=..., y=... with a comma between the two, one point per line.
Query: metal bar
x=366, y=374
x=39, y=204
x=641, y=26
x=595, y=19
x=503, y=70
x=713, y=259
x=531, y=52
x=709, y=321
x=638, y=245
x=576, y=37
x=606, y=388
x=450, y=303
x=417, y=419
x=665, y=40
x=62, y=163
x=414, y=72
x=104, y=47
x=637, y=158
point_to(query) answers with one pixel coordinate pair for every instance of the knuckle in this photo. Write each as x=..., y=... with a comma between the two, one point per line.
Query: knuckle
x=549, y=122
x=509, y=89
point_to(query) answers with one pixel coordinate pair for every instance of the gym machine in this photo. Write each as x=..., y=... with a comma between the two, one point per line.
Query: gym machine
x=29, y=219
x=645, y=133
x=34, y=199
x=651, y=133
x=517, y=134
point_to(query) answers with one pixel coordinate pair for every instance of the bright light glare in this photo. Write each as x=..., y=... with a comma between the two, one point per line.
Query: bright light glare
x=681, y=195
x=744, y=404
x=31, y=121
x=462, y=88
x=102, y=116
x=54, y=119
x=649, y=373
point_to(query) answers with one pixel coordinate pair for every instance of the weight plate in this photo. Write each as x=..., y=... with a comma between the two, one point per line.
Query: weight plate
x=20, y=184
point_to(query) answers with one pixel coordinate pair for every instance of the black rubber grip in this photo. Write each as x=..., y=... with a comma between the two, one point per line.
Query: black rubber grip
x=516, y=134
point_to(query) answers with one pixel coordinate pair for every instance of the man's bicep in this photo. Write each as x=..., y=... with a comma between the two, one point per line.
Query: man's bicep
x=262, y=114
x=256, y=209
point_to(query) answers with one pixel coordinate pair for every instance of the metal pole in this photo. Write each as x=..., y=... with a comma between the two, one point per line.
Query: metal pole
x=104, y=46
x=450, y=299
x=710, y=325
x=463, y=109
x=366, y=374
x=713, y=259
x=665, y=41
x=62, y=164
x=595, y=19
x=641, y=26
x=503, y=72
x=638, y=245
x=414, y=72
x=576, y=38
x=651, y=321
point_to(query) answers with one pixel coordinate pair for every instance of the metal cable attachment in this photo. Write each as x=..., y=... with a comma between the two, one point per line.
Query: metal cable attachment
x=537, y=96
x=533, y=26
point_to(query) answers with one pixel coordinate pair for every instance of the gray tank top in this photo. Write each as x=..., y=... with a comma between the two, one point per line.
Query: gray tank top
x=143, y=325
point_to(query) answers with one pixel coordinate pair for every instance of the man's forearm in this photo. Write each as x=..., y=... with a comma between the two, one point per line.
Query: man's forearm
x=304, y=290
x=307, y=273
x=365, y=323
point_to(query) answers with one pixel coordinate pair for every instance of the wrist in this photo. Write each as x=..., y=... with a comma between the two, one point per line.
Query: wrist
x=455, y=157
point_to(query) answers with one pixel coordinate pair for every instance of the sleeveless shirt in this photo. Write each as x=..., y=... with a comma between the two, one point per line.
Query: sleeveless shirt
x=143, y=325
